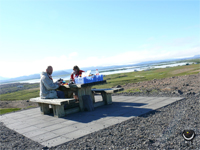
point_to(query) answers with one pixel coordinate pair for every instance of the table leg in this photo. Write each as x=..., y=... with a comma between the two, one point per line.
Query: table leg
x=58, y=111
x=93, y=99
x=44, y=108
x=89, y=92
x=81, y=92
x=107, y=98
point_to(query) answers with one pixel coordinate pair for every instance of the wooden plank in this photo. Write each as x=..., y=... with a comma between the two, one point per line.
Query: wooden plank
x=93, y=98
x=72, y=110
x=50, y=101
x=89, y=92
x=107, y=98
x=81, y=92
x=76, y=86
x=83, y=85
x=58, y=111
x=109, y=90
x=97, y=104
x=44, y=108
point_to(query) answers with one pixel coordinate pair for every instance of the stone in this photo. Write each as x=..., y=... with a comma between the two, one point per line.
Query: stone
x=118, y=86
x=180, y=92
x=45, y=148
x=148, y=90
x=151, y=141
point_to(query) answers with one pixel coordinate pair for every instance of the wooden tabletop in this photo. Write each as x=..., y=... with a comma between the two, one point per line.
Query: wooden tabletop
x=109, y=90
x=84, y=85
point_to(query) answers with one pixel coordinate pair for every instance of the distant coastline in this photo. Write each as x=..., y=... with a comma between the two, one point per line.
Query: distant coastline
x=111, y=70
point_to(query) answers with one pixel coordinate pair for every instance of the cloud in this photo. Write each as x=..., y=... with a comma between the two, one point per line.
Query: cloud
x=73, y=54
x=15, y=69
x=181, y=41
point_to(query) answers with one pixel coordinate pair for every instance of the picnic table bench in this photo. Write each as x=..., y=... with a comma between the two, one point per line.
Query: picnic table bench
x=106, y=93
x=82, y=89
x=57, y=106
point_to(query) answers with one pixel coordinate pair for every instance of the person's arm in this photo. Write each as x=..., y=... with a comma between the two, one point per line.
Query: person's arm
x=80, y=72
x=48, y=83
x=72, y=75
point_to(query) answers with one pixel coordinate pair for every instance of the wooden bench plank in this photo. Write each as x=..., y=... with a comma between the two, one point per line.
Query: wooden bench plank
x=51, y=101
x=57, y=105
x=109, y=90
x=106, y=94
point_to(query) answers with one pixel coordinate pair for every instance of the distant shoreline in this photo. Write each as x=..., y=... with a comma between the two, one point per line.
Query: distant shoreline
x=111, y=71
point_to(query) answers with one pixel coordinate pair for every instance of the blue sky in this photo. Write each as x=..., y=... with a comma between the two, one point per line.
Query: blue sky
x=34, y=34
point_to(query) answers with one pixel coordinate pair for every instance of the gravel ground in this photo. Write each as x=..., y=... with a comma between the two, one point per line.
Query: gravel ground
x=160, y=129
x=11, y=140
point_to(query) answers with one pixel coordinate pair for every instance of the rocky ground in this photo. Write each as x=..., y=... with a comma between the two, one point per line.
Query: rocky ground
x=23, y=104
x=160, y=129
x=177, y=85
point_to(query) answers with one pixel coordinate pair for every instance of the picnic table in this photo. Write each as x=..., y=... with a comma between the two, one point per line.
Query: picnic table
x=82, y=89
x=58, y=105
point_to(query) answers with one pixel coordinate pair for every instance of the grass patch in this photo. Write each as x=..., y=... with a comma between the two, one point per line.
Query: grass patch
x=134, y=77
x=154, y=91
x=9, y=88
x=20, y=95
x=7, y=110
x=133, y=90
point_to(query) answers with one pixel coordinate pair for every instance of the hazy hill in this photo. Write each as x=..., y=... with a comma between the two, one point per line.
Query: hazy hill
x=3, y=78
x=33, y=76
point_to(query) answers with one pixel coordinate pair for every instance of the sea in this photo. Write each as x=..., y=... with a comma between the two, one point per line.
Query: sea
x=116, y=70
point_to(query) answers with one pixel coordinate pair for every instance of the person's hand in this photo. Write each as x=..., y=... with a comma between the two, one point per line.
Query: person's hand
x=60, y=83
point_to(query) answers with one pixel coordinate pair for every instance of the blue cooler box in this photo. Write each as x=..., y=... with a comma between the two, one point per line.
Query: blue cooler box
x=91, y=79
x=84, y=80
x=80, y=80
x=99, y=77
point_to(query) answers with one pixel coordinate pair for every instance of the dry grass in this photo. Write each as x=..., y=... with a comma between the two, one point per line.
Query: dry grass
x=182, y=70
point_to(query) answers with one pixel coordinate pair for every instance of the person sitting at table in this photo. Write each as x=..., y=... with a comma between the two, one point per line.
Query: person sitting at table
x=76, y=72
x=48, y=87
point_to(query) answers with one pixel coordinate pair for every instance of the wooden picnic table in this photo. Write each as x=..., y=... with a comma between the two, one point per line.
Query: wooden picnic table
x=82, y=89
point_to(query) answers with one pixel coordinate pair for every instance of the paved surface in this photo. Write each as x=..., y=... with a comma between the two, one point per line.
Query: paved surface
x=50, y=131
